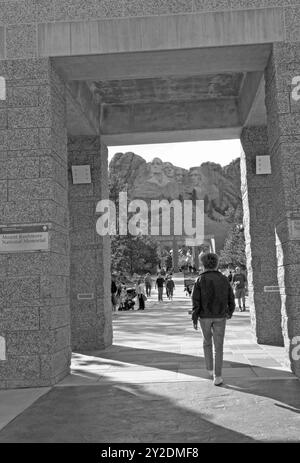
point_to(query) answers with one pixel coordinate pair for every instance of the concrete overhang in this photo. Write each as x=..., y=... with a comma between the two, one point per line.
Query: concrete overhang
x=257, y=115
x=252, y=106
x=164, y=63
x=83, y=111
x=174, y=136
x=163, y=32
x=176, y=121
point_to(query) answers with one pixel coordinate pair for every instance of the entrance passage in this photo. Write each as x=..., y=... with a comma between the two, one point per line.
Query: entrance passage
x=151, y=386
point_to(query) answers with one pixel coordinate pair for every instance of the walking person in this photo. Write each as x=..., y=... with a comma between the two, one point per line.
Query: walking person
x=170, y=286
x=213, y=304
x=122, y=297
x=239, y=283
x=114, y=290
x=148, y=284
x=140, y=291
x=159, y=284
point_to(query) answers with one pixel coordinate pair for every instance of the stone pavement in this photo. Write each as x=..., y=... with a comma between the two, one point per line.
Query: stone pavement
x=152, y=386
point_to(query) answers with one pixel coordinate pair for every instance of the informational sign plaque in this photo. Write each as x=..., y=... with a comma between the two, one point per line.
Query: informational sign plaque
x=263, y=165
x=271, y=289
x=85, y=296
x=81, y=174
x=24, y=238
x=295, y=229
x=2, y=348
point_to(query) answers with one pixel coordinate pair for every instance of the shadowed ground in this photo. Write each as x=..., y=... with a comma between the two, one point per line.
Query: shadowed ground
x=152, y=386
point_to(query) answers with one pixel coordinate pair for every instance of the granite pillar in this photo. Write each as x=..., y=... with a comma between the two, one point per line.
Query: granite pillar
x=283, y=110
x=257, y=196
x=91, y=318
x=34, y=285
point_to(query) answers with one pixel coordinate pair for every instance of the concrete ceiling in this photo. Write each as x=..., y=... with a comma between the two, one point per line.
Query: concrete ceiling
x=129, y=91
x=167, y=96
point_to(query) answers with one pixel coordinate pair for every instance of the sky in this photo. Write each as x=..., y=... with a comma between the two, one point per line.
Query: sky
x=185, y=154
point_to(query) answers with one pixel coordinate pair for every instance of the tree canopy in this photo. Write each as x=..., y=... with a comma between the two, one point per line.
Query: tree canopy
x=130, y=254
x=233, y=253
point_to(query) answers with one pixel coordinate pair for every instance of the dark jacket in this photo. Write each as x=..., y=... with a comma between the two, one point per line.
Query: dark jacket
x=170, y=284
x=160, y=282
x=113, y=287
x=212, y=296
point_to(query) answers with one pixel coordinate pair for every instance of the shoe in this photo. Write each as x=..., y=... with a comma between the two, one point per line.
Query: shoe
x=211, y=373
x=218, y=380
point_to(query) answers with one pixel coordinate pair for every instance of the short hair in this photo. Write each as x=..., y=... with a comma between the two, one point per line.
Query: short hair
x=210, y=260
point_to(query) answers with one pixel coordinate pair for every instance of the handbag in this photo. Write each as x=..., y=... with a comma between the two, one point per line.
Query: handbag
x=144, y=297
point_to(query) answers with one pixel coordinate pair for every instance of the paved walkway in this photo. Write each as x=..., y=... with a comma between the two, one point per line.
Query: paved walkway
x=152, y=386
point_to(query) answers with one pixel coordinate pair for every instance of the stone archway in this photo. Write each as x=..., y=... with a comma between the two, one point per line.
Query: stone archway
x=48, y=59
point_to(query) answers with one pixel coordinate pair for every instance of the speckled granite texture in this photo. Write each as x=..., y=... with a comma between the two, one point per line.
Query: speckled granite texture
x=90, y=253
x=34, y=287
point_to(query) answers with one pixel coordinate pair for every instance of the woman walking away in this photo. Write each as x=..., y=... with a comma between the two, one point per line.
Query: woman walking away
x=213, y=304
x=140, y=291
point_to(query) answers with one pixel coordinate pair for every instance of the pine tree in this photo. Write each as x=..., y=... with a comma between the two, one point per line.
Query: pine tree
x=233, y=253
x=130, y=254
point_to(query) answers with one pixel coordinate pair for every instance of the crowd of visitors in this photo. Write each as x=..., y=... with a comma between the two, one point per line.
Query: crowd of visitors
x=124, y=296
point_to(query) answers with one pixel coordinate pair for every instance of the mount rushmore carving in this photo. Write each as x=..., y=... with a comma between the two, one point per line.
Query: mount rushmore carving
x=218, y=186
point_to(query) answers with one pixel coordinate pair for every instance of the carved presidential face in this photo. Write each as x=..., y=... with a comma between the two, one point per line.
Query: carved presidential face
x=195, y=177
x=179, y=175
x=169, y=170
x=156, y=166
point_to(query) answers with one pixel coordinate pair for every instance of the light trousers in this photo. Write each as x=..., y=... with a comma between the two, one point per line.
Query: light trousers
x=213, y=330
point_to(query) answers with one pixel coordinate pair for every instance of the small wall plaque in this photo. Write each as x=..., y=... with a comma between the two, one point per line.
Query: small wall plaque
x=271, y=289
x=263, y=165
x=2, y=88
x=2, y=348
x=81, y=174
x=85, y=296
x=295, y=229
x=24, y=238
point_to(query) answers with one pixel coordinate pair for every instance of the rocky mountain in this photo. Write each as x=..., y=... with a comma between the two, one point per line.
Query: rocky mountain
x=218, y=186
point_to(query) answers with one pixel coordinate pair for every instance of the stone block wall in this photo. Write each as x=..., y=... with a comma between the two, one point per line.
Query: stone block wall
x=265, y=307
x=90, y=254
x=284, y=139
x=34, y=286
